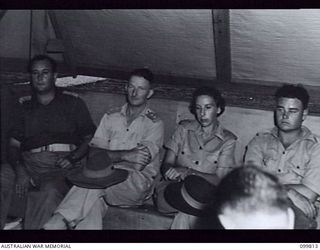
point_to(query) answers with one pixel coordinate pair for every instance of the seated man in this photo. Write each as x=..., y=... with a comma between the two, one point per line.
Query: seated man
x=49, y=135
x=132, y=137
x=249, y=198
x=291, y=152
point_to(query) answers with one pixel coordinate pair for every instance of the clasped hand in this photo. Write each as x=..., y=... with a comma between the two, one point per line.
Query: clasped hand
x=139, y=155
x=175, y=173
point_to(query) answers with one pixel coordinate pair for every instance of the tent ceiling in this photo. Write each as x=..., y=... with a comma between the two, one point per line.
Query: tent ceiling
x=278, y=46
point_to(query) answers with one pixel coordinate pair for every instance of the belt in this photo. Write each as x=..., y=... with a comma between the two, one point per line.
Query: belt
x=56, y=147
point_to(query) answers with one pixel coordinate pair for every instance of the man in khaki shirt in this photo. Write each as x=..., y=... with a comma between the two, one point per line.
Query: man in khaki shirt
x=132, y=136
x=291, y=152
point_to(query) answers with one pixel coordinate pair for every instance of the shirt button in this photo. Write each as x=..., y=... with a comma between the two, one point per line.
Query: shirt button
x=200, y=148
x=283, y=152
x=279, y=170
x=298, y=167
x=127, y=129
x=215, y=162
x=197, y=162
x=182, y=152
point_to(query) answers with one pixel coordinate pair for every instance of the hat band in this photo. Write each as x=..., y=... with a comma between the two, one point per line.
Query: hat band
x=191, y=201
x=96, y=173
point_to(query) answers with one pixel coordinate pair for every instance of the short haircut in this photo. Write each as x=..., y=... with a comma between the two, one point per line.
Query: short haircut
x=293, y=91
x=248, y=189
x=209, y=91
x=145, y=73
x=42, y=58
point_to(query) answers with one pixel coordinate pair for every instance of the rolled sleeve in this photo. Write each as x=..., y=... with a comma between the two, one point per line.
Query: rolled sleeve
x=99, y=139
x=226, y=157
x=153, y=138
x=226, y=160
x=254, y=152
x=176, y=140
x=312, y=176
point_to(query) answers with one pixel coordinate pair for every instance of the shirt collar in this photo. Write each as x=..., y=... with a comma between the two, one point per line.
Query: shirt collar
x=306, y=133
x=34, y=98
x=218, y=132
x=124, y=108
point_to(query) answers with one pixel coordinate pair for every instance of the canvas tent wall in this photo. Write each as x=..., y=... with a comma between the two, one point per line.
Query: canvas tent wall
x=242, y=52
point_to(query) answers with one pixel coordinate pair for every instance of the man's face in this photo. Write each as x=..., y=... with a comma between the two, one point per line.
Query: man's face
x=42, y=77
x=289, y=114
x=138, y=91
x=206, y=110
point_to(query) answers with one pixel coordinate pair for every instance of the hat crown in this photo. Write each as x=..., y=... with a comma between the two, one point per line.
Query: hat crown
x=98, y=159
x=199, y=189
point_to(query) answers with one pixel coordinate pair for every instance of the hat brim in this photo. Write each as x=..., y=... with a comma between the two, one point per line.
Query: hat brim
x=77, y=178
x=173, y=196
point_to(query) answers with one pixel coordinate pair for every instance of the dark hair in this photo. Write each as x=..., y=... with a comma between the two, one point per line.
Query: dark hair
x=293, y=91
x=209, y=91
x=42, y=58
x=145, y=73
x=248, y=189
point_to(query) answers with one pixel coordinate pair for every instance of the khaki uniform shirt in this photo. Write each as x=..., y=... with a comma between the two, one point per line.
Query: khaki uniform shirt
x=215, y=156
x=147, y=129
x=297, y=164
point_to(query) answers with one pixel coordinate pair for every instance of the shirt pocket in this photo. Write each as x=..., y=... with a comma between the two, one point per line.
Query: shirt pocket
x=271, y=162
x=298, y=164
x=211, y=162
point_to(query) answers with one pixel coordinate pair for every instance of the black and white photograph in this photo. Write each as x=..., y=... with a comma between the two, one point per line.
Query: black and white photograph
x=166, y=120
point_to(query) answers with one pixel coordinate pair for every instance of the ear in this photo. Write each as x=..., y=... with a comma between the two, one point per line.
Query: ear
x=290, y=218
x=55, y=76
x=126, y=87
x=218, y=111
x=151, y=92
x=226, y=221
x=305, y=114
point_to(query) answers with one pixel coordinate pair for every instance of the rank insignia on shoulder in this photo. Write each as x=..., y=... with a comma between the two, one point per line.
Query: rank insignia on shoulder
x=113, y=110
x=70, y=93
x=152, y=115
x=24, y=98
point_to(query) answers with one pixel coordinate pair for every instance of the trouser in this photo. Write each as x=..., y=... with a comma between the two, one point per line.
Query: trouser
x=43, y=197
x=85, y=208
x=159, y=200
x=8, y=197
x=301, y=221
x=42, y=201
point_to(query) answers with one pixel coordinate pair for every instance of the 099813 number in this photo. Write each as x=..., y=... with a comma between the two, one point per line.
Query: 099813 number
x=313, y=245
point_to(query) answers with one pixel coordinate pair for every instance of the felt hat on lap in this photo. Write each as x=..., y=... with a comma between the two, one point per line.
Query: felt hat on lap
x=194, y=196
x=98, y=172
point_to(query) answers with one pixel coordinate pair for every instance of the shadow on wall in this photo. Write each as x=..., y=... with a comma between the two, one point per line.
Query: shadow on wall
x=245, y=123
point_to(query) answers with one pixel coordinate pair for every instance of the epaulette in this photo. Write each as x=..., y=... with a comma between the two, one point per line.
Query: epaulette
x=70, y=93
x=228, y=134
x=113, y=110
x=261, y=133
x=24, y=98
x=152, y=115
x=184, y=122
x=188, y=124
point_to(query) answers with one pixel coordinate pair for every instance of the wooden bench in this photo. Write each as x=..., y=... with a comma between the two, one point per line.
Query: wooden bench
x=145, y=217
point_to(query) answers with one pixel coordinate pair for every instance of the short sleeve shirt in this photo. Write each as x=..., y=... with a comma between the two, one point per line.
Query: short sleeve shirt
x=147, y=129
x=213, y=157
x=65, y=119
x=297, y=164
